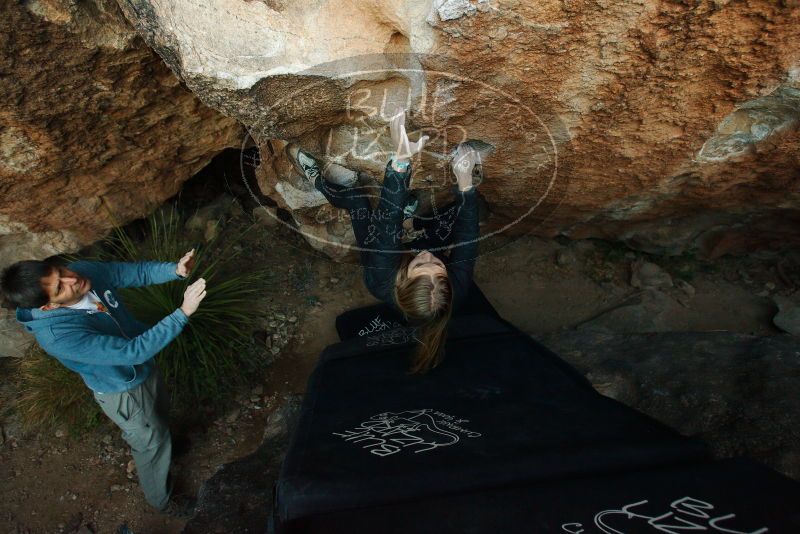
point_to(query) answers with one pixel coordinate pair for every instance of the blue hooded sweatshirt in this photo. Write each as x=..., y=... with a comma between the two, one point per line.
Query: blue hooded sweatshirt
x=111, y=350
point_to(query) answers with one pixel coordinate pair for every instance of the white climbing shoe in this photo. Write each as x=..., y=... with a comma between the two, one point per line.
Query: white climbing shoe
x=336, y=174
x=304, y=162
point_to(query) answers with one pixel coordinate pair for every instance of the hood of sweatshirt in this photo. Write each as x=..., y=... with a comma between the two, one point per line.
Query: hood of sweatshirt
x=34, y=319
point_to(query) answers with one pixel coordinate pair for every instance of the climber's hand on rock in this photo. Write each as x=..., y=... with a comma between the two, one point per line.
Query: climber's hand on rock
x=463, y=163
x=404, y=149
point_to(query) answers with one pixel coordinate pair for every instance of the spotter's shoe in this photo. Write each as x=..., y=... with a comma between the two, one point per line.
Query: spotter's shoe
x=180, y=507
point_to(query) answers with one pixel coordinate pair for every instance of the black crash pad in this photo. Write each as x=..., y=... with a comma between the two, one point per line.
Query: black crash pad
x=731, y=496
x=500, y=411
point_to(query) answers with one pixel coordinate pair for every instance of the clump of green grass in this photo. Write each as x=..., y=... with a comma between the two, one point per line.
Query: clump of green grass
x=215, y=353
x=50, y=395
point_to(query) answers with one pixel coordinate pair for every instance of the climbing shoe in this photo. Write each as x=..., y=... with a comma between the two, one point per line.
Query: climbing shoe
x=304, y=162
x=336, y=174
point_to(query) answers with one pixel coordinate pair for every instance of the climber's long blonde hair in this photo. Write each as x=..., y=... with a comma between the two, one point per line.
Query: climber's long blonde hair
x=427, y=302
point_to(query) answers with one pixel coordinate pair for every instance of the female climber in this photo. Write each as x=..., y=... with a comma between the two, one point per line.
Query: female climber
x=425, y=285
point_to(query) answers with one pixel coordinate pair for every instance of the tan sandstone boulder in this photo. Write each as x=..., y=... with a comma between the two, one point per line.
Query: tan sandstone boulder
x=672, y=126
x=94, y=129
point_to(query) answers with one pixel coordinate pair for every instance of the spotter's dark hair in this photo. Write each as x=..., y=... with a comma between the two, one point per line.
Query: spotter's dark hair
x=21, y=283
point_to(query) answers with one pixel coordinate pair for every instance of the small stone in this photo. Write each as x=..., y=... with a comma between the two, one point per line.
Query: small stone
x=645, y=274
x=770, y=286
x=131, y=467
x=266, y=216
x=59, y=433
x=293, y=319
x=764, y=293
x=334, y=280
x=565, y=257
x=584, y=246
x=232, y=416
x=211, y=231
x=788, y=316
x=500, y=33
x=106, y=439
x=685, y=286
x=730, y=275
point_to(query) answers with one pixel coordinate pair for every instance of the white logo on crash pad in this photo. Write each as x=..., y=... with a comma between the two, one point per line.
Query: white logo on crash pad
x=413, y=430
x=110, y=300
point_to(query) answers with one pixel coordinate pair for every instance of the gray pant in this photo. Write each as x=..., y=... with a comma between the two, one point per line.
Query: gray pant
x=141, y=413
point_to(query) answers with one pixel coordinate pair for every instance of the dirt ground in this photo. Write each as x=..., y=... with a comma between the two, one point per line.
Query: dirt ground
x=55, y=482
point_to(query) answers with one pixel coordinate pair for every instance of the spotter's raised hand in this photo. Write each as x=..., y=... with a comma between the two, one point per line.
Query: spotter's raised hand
x=185, y=264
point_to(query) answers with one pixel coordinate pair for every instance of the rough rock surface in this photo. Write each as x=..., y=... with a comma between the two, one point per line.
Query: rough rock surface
x=94, y=129
x=238, y=498
x=788, y=316
x=648, y=311
x=737, y=392
x=668, y=125
x=14, y=340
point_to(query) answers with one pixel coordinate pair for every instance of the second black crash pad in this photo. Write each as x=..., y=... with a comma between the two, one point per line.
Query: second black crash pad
x=726, y=497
